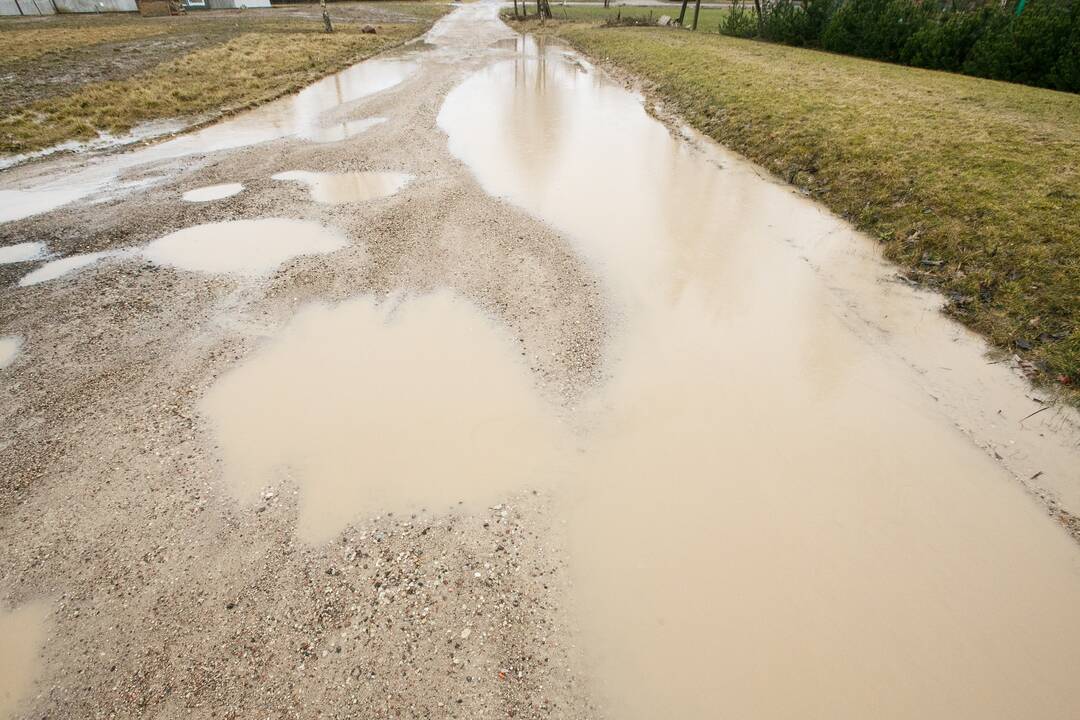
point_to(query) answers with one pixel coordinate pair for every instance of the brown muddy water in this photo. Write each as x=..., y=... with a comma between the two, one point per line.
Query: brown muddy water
x=9, y=349
x=22, y=634
x=213, y=192
x=772, y=519
x=411, y=403
x=251, y=248
x=339, y=188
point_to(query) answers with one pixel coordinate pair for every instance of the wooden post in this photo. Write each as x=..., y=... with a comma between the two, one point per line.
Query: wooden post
x=697, y=11
x=327, y=25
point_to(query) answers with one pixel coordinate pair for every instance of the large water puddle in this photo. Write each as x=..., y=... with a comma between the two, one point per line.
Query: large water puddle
x=322, y=112
x=338, y=188
x=22, y=634
x=773, y=518
x=250, y=248
x=370, y=407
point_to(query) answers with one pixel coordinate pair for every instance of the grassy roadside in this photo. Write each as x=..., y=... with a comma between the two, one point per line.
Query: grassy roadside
x=245, y=63
x=973, y=186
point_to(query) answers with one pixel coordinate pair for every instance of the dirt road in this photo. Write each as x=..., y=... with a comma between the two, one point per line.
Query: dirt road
x=460, y=386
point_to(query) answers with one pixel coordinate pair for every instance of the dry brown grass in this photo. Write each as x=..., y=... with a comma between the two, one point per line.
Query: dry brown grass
x=220, y=64
x=21, y=43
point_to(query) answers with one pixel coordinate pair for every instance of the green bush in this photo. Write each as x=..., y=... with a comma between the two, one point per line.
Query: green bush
x=877, y=29
x=946, y=41
x=740, y=21
x=1041, y=46
x=792, y=23
x=1038, y=47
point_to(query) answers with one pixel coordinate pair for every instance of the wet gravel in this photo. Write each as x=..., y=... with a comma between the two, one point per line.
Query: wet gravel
x=172, y=599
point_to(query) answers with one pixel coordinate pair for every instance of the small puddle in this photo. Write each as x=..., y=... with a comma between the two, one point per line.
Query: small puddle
x=59, y=268
x=772, y=518
x=337, y=188
x=213, y=192
x=22, y=252
x=22, y=635
x=9, y=349
x=391, y=406
x=252, y=248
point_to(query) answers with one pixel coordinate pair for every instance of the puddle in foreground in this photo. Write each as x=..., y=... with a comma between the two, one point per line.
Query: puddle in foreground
x=213, y=192
x=9, y=349
x=252, y=248
x=337, y=188
x=22, y=252
x=22, y=634
x=375, y=407
x=773, y=519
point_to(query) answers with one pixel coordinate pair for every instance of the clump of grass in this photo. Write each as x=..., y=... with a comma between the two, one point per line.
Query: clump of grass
x=972, y=185
x=248, y=69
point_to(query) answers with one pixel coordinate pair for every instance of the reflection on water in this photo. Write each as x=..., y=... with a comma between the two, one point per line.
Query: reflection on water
x=22, y=633
x=337, y=188
x=772, y=520
x=319, y=112
x=393, y=406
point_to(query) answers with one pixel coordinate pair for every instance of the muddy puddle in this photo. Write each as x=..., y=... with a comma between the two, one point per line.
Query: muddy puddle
x=250, y=248
x=321, y=112
x=213, y=192
x=369, y=407
x=56, y=269
x=9, y=349
x=22, y=635
x=338, y=188
x=773, y=517
x=22, y=252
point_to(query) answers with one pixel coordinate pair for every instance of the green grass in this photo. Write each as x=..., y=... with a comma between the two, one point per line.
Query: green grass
x=973, y=186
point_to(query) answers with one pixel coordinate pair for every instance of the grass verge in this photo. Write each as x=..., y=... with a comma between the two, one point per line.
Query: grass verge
x=258, y=61
x=971, y=185
x=708, y=22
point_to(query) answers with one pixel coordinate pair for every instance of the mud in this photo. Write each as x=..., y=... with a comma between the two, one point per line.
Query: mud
x=213, y=192
x=335, y=189
x=22, y=634
x=22, y=252
x=805, y=499
x=9, y=349
x=251, y=248
x=731, y=481
x=341, y=396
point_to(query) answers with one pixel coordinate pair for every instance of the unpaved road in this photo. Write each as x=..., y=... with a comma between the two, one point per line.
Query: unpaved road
x=531, y=408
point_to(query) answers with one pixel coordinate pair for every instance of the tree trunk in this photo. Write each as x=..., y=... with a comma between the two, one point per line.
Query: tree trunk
x=515, y=10
x=757, y=9
x=682, y=13
x=697, y=11
x=327, y=25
